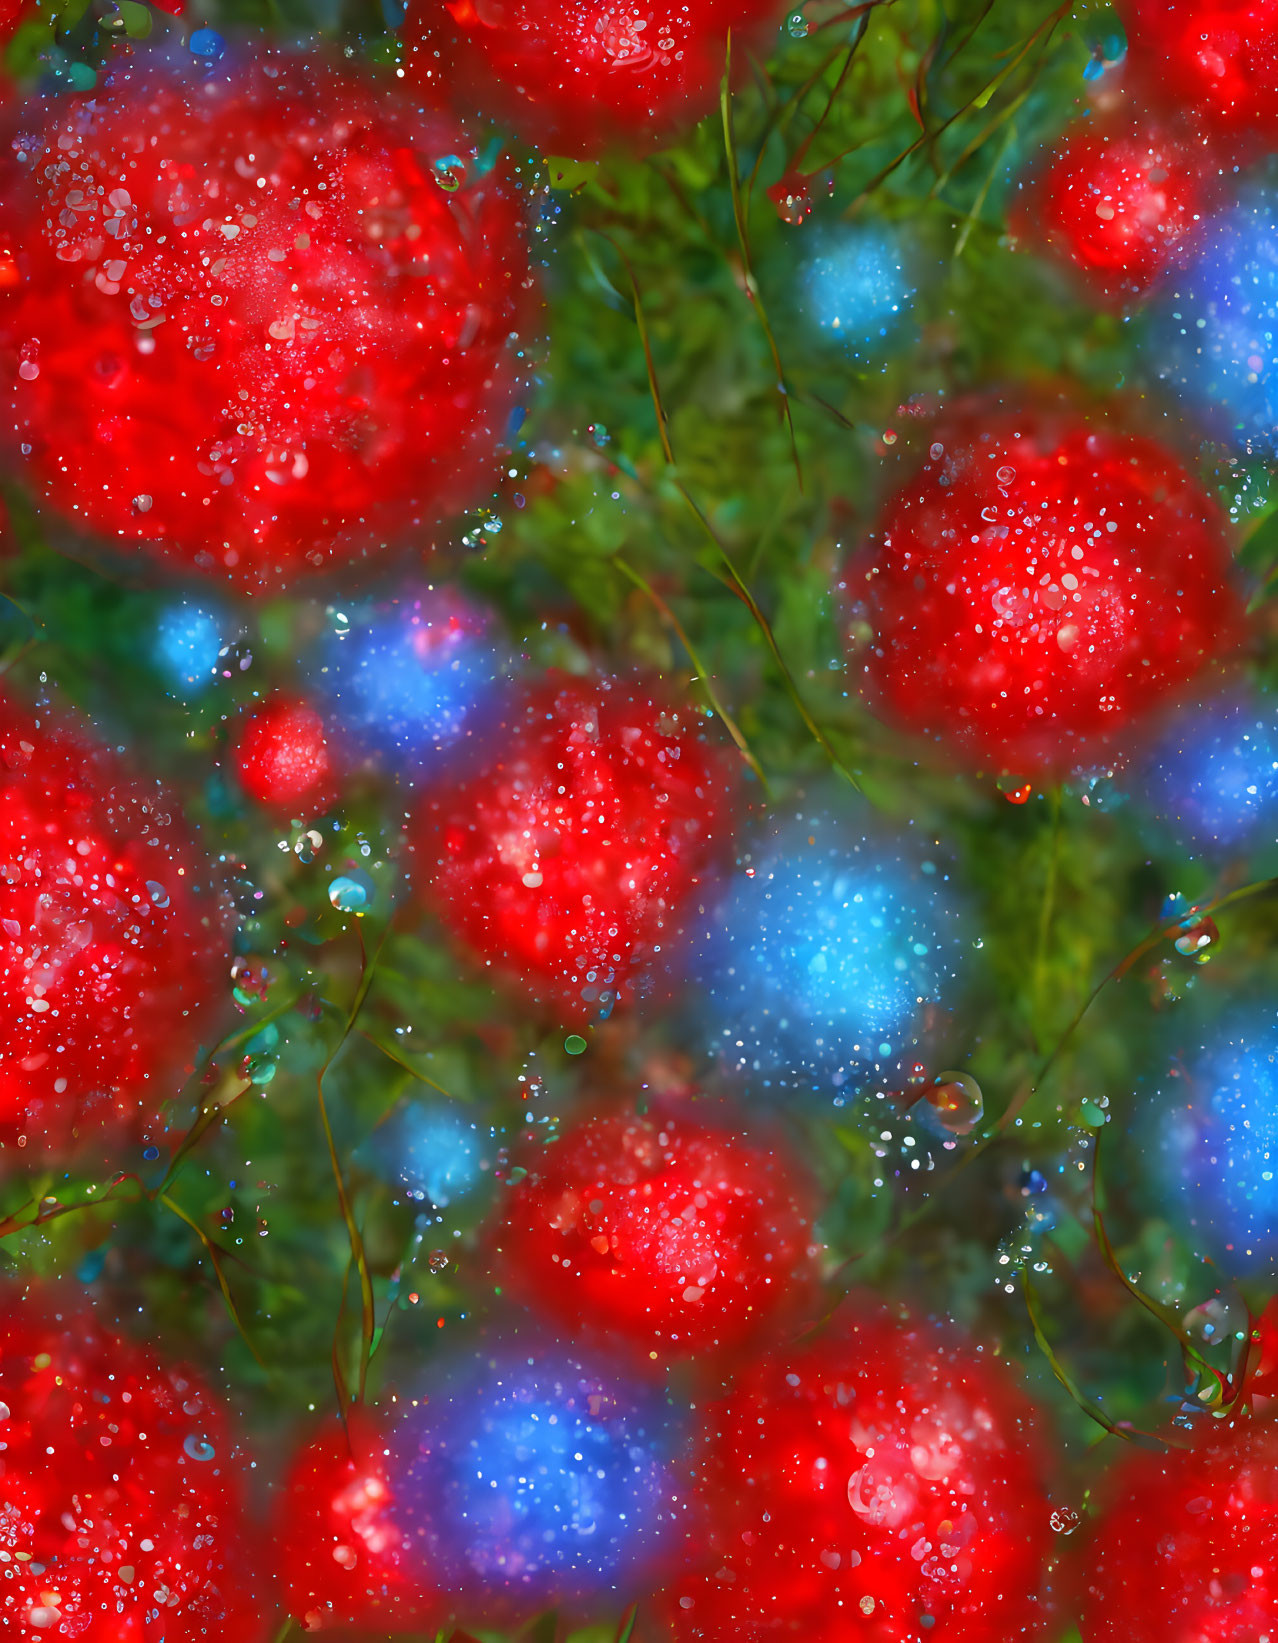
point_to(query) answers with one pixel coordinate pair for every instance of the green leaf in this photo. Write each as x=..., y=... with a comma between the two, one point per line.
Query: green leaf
x=29, y=47
x=137, y=19
x=570, y=174
x=542, y=1629
x=67, y=14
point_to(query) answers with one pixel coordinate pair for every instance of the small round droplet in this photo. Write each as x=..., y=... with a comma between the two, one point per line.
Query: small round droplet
x=261, y=1069
x=449, y=173
x=957, y=1101
x=206, y=43
x=1015, y=789
x=347, y=895
x=1215, y=1320
x=1197, y=935
x=574, y=1044
x=198, y=1448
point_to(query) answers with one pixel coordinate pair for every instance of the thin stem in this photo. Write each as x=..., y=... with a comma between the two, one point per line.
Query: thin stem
x=743, y=239
x=731, y=575
x=213, y=1253
x=703, y=674
x=368, y=1316
x=1046, y=910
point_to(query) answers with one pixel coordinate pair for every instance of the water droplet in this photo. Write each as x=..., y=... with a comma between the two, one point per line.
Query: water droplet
x=347, y=895
x=158, y=894
x=206, y=43
x=574, y=1044
x=438, y=1260
x=1198, y=933
x=249, y=982
x=791, y=198
x=1015, y=789
x=308, y=846
x=450, y=173
x=198, y=1448
x=1064, y=1520
x=957, y=1101
x=1215, y=1320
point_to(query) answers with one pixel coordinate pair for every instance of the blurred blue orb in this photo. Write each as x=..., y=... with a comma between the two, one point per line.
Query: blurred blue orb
x=819, y=958
x=405, y=677
x=855, y=286
x=534, y=1476
x=1217, y=328
x=1217, y=1136
x=1212, y=776
x=206, y=43
x=188, y=641
x=436, y=1153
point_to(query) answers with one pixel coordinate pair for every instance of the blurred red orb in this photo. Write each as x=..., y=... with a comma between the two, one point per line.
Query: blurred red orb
x=341, y=1559
x=672, y=1234
x=113, y=948
x=1042, y=583
x=1186, y=1543
x=121, y=1509
x=884, y=1483
x=254, y=321
x=576, y=76
x=1212, y=61
x=1116, y=201
x=281, y=756
x=570, y=859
